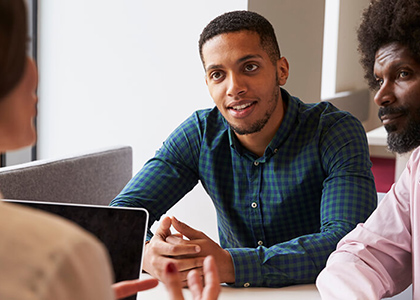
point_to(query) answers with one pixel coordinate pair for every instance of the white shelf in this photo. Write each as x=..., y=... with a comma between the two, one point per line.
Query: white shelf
x=377, y=137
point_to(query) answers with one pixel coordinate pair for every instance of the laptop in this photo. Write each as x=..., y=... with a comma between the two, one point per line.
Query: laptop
x=121, y=229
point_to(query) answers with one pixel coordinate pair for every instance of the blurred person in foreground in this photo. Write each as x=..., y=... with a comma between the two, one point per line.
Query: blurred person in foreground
x=43, y=256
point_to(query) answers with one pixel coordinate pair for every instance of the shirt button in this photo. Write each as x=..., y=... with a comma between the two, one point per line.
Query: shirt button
x=247, y=284
x=254, y=205
x=260, y=243
x=276, y=150
x=256, y=163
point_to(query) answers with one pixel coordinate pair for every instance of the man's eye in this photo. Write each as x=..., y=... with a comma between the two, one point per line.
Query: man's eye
x=251, y=67
x=216, y=75
x=379, y=81
x=403, y=74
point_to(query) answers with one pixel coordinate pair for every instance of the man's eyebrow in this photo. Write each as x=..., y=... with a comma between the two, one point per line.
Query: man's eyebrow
x=401, y=63
x=213, y=67
x=240, y=60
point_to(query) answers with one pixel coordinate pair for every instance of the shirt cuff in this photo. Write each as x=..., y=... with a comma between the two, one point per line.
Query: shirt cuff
x=248, y=271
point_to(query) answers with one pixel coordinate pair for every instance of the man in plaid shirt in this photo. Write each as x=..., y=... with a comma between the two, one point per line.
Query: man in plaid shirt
x=288, y=179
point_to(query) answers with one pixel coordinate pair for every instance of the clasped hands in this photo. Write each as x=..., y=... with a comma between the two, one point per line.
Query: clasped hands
x=186, y=250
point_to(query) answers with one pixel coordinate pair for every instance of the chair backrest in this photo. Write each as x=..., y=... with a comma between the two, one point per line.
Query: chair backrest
x=89, y=178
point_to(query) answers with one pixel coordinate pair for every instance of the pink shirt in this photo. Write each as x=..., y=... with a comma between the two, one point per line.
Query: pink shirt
x=380, y=258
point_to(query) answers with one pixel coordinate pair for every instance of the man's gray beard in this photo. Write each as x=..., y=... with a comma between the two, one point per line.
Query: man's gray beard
x=407, y=140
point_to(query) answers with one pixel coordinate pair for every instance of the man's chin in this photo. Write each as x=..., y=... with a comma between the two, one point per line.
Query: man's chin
x=391, y=128
x=401, y=143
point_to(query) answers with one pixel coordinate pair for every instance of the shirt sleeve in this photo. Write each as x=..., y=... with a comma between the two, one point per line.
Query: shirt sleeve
x=168, y=176
x=374, y=260
x=348, y=197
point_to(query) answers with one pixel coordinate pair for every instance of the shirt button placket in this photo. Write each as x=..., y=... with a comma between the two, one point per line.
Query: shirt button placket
x=254, y=205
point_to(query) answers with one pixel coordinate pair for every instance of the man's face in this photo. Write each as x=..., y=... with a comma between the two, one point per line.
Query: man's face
x=398, y=77
x=243, y=82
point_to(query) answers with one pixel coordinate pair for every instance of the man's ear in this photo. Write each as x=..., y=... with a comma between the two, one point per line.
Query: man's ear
x=282, y=70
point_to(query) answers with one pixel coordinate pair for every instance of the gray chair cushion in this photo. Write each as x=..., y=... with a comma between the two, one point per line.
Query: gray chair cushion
x=90, y=178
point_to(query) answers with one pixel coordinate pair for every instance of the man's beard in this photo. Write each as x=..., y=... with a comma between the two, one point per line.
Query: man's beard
x=409, y=136
x=258, y=125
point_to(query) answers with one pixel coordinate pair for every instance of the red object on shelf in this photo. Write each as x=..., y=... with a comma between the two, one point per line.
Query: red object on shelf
x=383, y=170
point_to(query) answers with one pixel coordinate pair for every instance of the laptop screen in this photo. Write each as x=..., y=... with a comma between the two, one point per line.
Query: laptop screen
x=121, y=229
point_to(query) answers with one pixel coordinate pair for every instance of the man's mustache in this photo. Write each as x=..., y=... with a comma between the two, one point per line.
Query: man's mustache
x=383, y=111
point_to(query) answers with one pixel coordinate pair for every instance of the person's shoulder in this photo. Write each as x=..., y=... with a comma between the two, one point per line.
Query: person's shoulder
x=206, y=119
x=21, y=214
x=201, y=123
x=54, y=244
x=415, y=155
x=324, y=108
x=207, y=114
x=51, y=231
x=326, y=113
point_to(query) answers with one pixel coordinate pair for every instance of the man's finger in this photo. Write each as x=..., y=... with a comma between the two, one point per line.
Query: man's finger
x=164, y=228
x=127, y=288
x=172, y=282
x=186, y=230
x=187, y=264
x=178, y=249
x=211, y=278
x=176, y=239
x=195, y=284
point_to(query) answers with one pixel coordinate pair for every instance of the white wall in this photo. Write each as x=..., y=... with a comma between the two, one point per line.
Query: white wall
x=123, y=72
x=299, y=27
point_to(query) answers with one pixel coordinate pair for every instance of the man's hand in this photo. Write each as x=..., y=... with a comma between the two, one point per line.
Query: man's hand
x=207, y=246
x=123, y=289
x=171, y=278
x=210, y=291
x=159, y=253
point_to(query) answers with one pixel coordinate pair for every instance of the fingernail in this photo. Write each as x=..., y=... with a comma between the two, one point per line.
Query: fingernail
x=197, y=249
x=170, y=268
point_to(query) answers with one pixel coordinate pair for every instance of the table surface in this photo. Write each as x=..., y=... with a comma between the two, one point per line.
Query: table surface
x=305, y=291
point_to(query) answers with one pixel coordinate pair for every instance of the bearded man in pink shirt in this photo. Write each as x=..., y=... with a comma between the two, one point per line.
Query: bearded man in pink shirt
x=381, y=257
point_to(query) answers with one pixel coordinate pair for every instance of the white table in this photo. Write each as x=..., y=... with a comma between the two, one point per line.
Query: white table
x=305, y=291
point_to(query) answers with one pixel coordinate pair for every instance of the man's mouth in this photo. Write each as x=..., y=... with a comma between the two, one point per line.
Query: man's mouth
x=386, y=119
x=241, y=106
x=389, y=114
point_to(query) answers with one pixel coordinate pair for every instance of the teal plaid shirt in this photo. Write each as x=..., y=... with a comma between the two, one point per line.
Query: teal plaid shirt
x=279, y=215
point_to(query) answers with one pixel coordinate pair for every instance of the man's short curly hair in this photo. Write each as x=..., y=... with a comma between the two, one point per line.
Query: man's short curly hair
x=385, y=22
x=242, y=20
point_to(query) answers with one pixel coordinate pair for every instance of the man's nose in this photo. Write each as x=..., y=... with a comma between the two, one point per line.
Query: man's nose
x=236, y=86
x=385, y=95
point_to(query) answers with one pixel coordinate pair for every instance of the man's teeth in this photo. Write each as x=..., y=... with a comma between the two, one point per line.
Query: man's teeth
x=243, y=106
